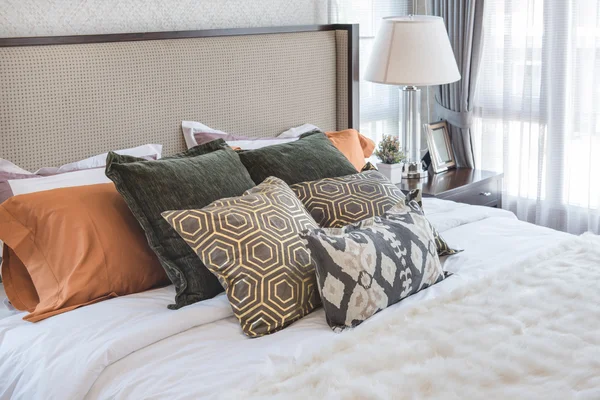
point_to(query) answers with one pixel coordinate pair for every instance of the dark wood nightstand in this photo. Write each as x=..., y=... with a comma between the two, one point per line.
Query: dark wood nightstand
x=464, y=185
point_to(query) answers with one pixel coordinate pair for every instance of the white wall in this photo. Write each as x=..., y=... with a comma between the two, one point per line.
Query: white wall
x=80, y=17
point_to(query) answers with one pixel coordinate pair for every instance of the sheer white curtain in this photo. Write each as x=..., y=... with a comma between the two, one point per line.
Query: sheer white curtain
x=378, y=103
x=538, y=109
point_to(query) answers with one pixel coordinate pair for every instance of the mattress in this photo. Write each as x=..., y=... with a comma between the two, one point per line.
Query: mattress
x=133, y=347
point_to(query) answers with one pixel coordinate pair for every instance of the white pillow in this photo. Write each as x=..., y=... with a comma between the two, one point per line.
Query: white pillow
x=298, y=131
x=147, y=150
x=8, y=167
x=258, y=144
x=13, y=185
x=69, y=179
x=191, y=128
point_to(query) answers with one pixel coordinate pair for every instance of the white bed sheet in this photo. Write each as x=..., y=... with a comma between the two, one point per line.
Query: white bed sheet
x=6, y=309
x=132, y=347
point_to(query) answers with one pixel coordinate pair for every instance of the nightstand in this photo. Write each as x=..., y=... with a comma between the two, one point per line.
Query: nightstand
x=464, y=185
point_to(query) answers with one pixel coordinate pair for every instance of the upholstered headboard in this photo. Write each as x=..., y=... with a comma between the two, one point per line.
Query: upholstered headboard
x=66, y=98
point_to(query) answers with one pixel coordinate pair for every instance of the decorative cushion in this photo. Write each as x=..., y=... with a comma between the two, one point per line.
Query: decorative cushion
x=69, y=247
x=251, y=244
x=188, y=180
x=370, y=265
x=356, y=147
x=443, y=249
x=311, y=157
x=336, y=202
x=369, y=167
x=353, y=145
x=415, y=195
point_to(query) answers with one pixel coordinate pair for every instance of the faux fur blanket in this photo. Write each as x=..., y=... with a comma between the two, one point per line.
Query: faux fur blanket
x=531, y=331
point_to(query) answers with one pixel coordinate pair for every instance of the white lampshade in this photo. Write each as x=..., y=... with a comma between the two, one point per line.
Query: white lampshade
x=412, y=51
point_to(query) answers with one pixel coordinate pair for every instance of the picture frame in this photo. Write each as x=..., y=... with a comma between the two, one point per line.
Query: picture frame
x=440, y=147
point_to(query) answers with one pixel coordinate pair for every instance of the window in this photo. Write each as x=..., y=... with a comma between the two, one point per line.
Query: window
x=378, y=103
x=538, y=110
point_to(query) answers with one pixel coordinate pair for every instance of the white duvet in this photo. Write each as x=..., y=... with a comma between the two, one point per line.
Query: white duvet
x=134, y=347
x=528, y=331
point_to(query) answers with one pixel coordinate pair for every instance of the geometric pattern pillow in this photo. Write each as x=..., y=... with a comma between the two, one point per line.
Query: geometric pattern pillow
x=370, y=265
x=369, y=167
x=252, y=244
x=443, y=249
x=415, y=195
x=336, y=202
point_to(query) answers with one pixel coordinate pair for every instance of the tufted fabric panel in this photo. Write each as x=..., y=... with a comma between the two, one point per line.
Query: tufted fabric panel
x=62, y=103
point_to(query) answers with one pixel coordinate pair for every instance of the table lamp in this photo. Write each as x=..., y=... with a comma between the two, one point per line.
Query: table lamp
x=409, y=52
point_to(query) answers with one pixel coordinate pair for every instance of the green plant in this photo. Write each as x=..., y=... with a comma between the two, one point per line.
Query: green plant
x=389, y=151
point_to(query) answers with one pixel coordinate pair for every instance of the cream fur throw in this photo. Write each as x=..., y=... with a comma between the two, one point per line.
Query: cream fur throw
x=531, y=331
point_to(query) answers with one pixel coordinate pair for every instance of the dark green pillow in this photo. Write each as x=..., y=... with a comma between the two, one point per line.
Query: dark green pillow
x=189, y=180
x=309, y=158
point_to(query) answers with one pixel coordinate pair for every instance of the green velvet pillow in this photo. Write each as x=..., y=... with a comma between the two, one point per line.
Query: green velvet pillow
x=189, y=180
x=309, y=158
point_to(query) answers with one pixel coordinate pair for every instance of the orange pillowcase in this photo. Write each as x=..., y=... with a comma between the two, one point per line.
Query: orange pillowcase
x=355, y=146
x=70, y=247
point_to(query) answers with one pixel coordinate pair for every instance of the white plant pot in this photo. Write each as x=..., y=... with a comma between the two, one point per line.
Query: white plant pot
x=391, y=171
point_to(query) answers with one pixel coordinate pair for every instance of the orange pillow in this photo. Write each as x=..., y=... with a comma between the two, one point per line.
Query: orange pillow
x=355, y=146
x=70, y=247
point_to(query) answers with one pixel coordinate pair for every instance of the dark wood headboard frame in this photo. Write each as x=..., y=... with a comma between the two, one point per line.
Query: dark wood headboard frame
x=352, y=29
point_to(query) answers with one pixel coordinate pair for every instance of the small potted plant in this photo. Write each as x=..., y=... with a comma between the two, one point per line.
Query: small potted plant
x=391, y=156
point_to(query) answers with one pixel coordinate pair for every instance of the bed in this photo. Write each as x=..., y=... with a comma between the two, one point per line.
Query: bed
x=461, y=338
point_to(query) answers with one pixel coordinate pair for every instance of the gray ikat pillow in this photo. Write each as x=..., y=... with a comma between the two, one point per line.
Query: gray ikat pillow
x=368, y=266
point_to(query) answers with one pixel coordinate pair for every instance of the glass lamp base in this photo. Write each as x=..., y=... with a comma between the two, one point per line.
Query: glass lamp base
x=411, y=130
x=413, y=170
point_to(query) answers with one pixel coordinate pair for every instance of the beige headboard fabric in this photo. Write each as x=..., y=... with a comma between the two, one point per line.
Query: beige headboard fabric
x=64, y=102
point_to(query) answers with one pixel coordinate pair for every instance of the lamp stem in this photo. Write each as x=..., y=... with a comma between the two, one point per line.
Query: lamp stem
x=410, y=100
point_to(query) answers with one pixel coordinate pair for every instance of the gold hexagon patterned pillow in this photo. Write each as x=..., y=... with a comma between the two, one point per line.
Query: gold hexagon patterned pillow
x=252, y=244
x=337, y=202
